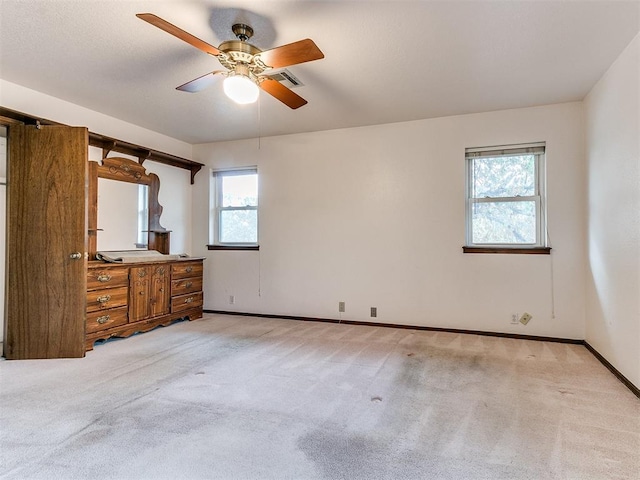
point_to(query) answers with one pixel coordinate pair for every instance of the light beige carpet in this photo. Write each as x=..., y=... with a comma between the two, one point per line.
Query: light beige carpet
x=246, y=398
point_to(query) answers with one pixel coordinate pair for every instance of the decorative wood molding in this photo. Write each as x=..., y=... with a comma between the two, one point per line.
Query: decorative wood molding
x=124, y=170
x=108, y=144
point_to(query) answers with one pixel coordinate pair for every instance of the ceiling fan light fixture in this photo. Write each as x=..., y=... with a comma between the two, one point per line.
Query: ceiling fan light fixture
x=241, y=89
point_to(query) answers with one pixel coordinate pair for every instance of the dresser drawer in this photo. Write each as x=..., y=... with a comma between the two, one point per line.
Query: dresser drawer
x=107, y=277
x=106, y=319
x=186, y=269
x=107, y=298
x=186, y=302
x=186, y=285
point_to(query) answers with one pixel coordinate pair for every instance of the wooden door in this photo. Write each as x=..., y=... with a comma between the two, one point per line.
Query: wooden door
x=139, y=293
x=160, y=290
x=46, y=291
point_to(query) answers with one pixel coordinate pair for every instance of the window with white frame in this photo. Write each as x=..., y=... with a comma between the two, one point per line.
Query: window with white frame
x=235, y=220
x=506, y=196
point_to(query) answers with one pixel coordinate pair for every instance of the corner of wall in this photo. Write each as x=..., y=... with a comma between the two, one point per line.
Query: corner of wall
x=611, y=124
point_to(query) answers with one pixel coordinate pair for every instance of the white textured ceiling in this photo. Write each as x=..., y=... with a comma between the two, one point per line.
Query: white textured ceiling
x=384, y=61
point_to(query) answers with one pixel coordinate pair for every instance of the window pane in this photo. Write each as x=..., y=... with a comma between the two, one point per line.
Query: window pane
x=504, y=176
x=504, y=222
x=240, y=190
x=239, y=226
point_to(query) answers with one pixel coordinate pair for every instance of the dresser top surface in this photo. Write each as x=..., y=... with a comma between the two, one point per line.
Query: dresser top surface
x=102, y=264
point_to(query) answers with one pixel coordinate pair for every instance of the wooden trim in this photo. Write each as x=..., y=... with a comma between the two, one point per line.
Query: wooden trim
x=92, y=209
x=405, y=327
x=9, y=121
x=141, y=326
x=626, y=382
x=614, y=370
x=234, y=247
x=514, y=250
x=108, y=144
x=123, y=170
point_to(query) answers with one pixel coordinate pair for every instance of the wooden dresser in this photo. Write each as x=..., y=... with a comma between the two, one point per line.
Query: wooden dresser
x=123, y=299
x=59, y=300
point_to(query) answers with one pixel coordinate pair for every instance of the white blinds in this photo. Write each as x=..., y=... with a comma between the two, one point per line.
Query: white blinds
x=508, y=151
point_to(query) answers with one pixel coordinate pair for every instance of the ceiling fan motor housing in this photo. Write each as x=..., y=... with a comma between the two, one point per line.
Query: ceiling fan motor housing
x=235, y=53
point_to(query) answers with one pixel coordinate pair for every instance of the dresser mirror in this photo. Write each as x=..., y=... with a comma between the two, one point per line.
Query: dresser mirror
x=124, y=213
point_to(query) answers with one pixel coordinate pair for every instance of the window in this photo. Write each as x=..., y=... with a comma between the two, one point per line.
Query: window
x=235, y=222
x=505, y=198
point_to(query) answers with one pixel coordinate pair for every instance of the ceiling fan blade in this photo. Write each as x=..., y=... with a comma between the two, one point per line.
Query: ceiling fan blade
x=291, y=54
x=178, y=32
x=201, y=83
x=282, y=93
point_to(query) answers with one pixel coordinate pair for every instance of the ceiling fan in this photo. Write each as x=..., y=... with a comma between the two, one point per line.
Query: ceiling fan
x=246, y=64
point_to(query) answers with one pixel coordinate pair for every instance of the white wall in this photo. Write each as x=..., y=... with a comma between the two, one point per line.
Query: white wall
x=175, y=188
x=375, y=216
x=612, y=112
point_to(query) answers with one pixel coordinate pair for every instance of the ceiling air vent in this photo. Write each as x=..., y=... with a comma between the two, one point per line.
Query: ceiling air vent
x=286, y=78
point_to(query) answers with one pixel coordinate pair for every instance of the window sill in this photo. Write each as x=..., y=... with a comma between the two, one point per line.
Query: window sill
x=516, y=250
x=234, y=247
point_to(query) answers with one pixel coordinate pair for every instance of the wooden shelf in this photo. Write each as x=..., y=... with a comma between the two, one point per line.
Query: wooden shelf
x=108, y=144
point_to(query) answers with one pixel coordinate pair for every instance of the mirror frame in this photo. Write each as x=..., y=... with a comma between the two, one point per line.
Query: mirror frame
x=125, y=170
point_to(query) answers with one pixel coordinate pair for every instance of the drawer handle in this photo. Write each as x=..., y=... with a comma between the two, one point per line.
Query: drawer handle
x=104, y=319
x=189, y=269
x=189, y=300
x=103, y=299
x=104, y=278
x=188, y=284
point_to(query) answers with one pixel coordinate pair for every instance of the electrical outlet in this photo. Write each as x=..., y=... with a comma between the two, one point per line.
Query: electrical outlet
x=232, y=299
x=524, y=319
x=374, y=311
x=514, y=319
x=341, y=307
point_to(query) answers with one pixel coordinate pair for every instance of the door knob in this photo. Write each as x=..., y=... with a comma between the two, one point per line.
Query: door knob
x=75, y=256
